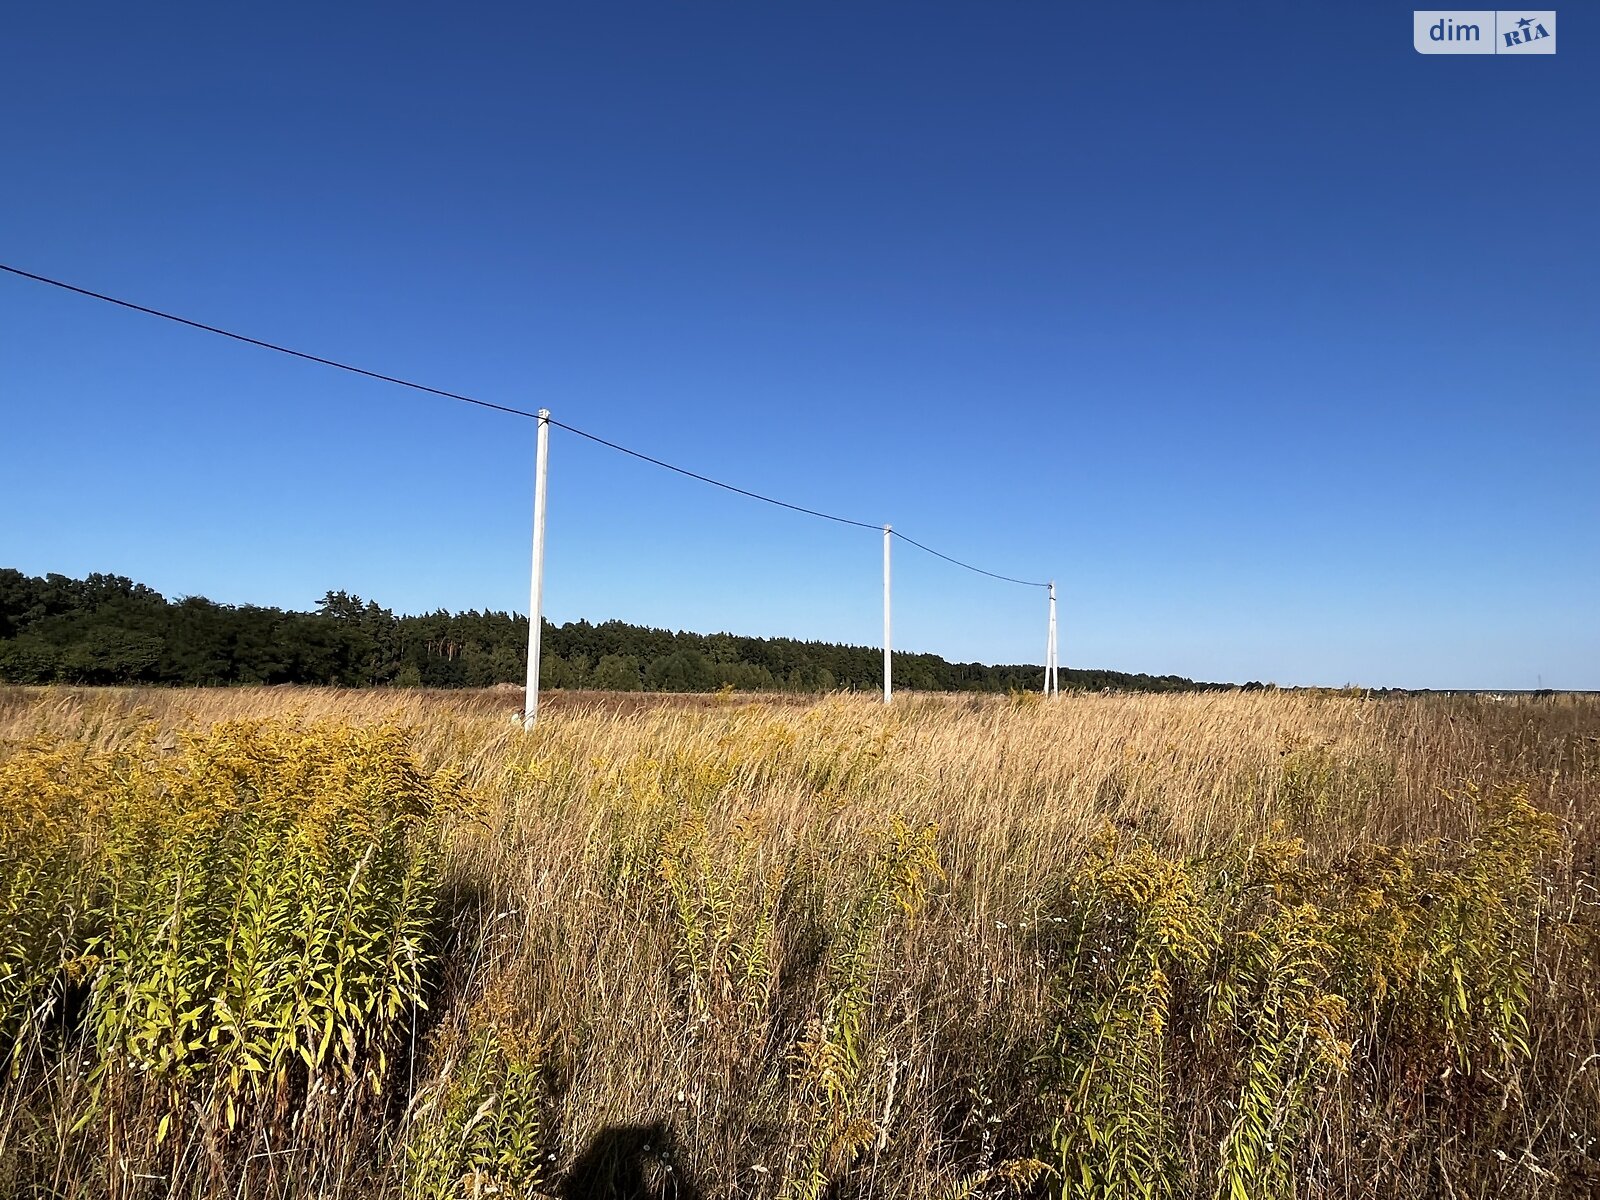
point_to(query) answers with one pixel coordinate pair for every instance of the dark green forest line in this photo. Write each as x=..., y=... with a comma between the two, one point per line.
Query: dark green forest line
x=106, y=629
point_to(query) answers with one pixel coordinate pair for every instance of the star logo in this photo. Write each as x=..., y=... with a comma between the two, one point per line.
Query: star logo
x=1525, y=22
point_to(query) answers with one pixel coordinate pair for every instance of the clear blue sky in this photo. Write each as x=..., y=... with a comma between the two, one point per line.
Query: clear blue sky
x=1276, y=343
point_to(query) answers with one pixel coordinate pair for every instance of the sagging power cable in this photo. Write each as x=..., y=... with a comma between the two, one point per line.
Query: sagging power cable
x=502, y=408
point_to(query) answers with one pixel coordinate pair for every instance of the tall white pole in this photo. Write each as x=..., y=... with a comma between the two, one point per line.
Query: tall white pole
x=530, y=706
x=1055, y=646
x=888, y=676
x=1056, y=657
x=1049, y=639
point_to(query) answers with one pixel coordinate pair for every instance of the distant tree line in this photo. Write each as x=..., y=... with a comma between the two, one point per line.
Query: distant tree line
x=109, y=630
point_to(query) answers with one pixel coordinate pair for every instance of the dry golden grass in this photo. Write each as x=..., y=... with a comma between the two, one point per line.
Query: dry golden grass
x=1261, y=944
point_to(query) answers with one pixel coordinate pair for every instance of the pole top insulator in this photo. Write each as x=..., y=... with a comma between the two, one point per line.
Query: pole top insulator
x=544, y=414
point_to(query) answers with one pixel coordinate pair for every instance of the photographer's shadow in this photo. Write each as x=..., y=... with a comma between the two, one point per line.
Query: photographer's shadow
x=630, y=1162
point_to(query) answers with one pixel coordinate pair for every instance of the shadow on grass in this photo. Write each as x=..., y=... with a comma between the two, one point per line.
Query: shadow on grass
x=630, y=1162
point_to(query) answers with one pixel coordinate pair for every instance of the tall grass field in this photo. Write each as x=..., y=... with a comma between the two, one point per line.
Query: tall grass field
x=284, y=943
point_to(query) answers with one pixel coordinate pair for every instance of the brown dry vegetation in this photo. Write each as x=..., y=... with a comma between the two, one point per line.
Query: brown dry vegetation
x=304, y=942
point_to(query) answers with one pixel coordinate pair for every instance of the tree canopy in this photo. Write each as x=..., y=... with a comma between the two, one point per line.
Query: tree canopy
x=106, y=629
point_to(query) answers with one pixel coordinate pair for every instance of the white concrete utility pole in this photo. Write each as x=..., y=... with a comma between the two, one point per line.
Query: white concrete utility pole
x=1052, y=683
x=1055, y=650
x=541, y=471
x=888, y=675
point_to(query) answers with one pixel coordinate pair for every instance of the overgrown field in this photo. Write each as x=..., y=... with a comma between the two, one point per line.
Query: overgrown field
x=343, y=944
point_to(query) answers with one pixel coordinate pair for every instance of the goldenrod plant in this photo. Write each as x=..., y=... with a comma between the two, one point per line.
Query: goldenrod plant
x=248, y=912
x=478, y=1128
x=833, y=1120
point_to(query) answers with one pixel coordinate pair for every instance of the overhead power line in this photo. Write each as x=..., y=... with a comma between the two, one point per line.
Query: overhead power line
x=967, y=565
x=503, y=408
x=810, y=512
x=239, y=337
